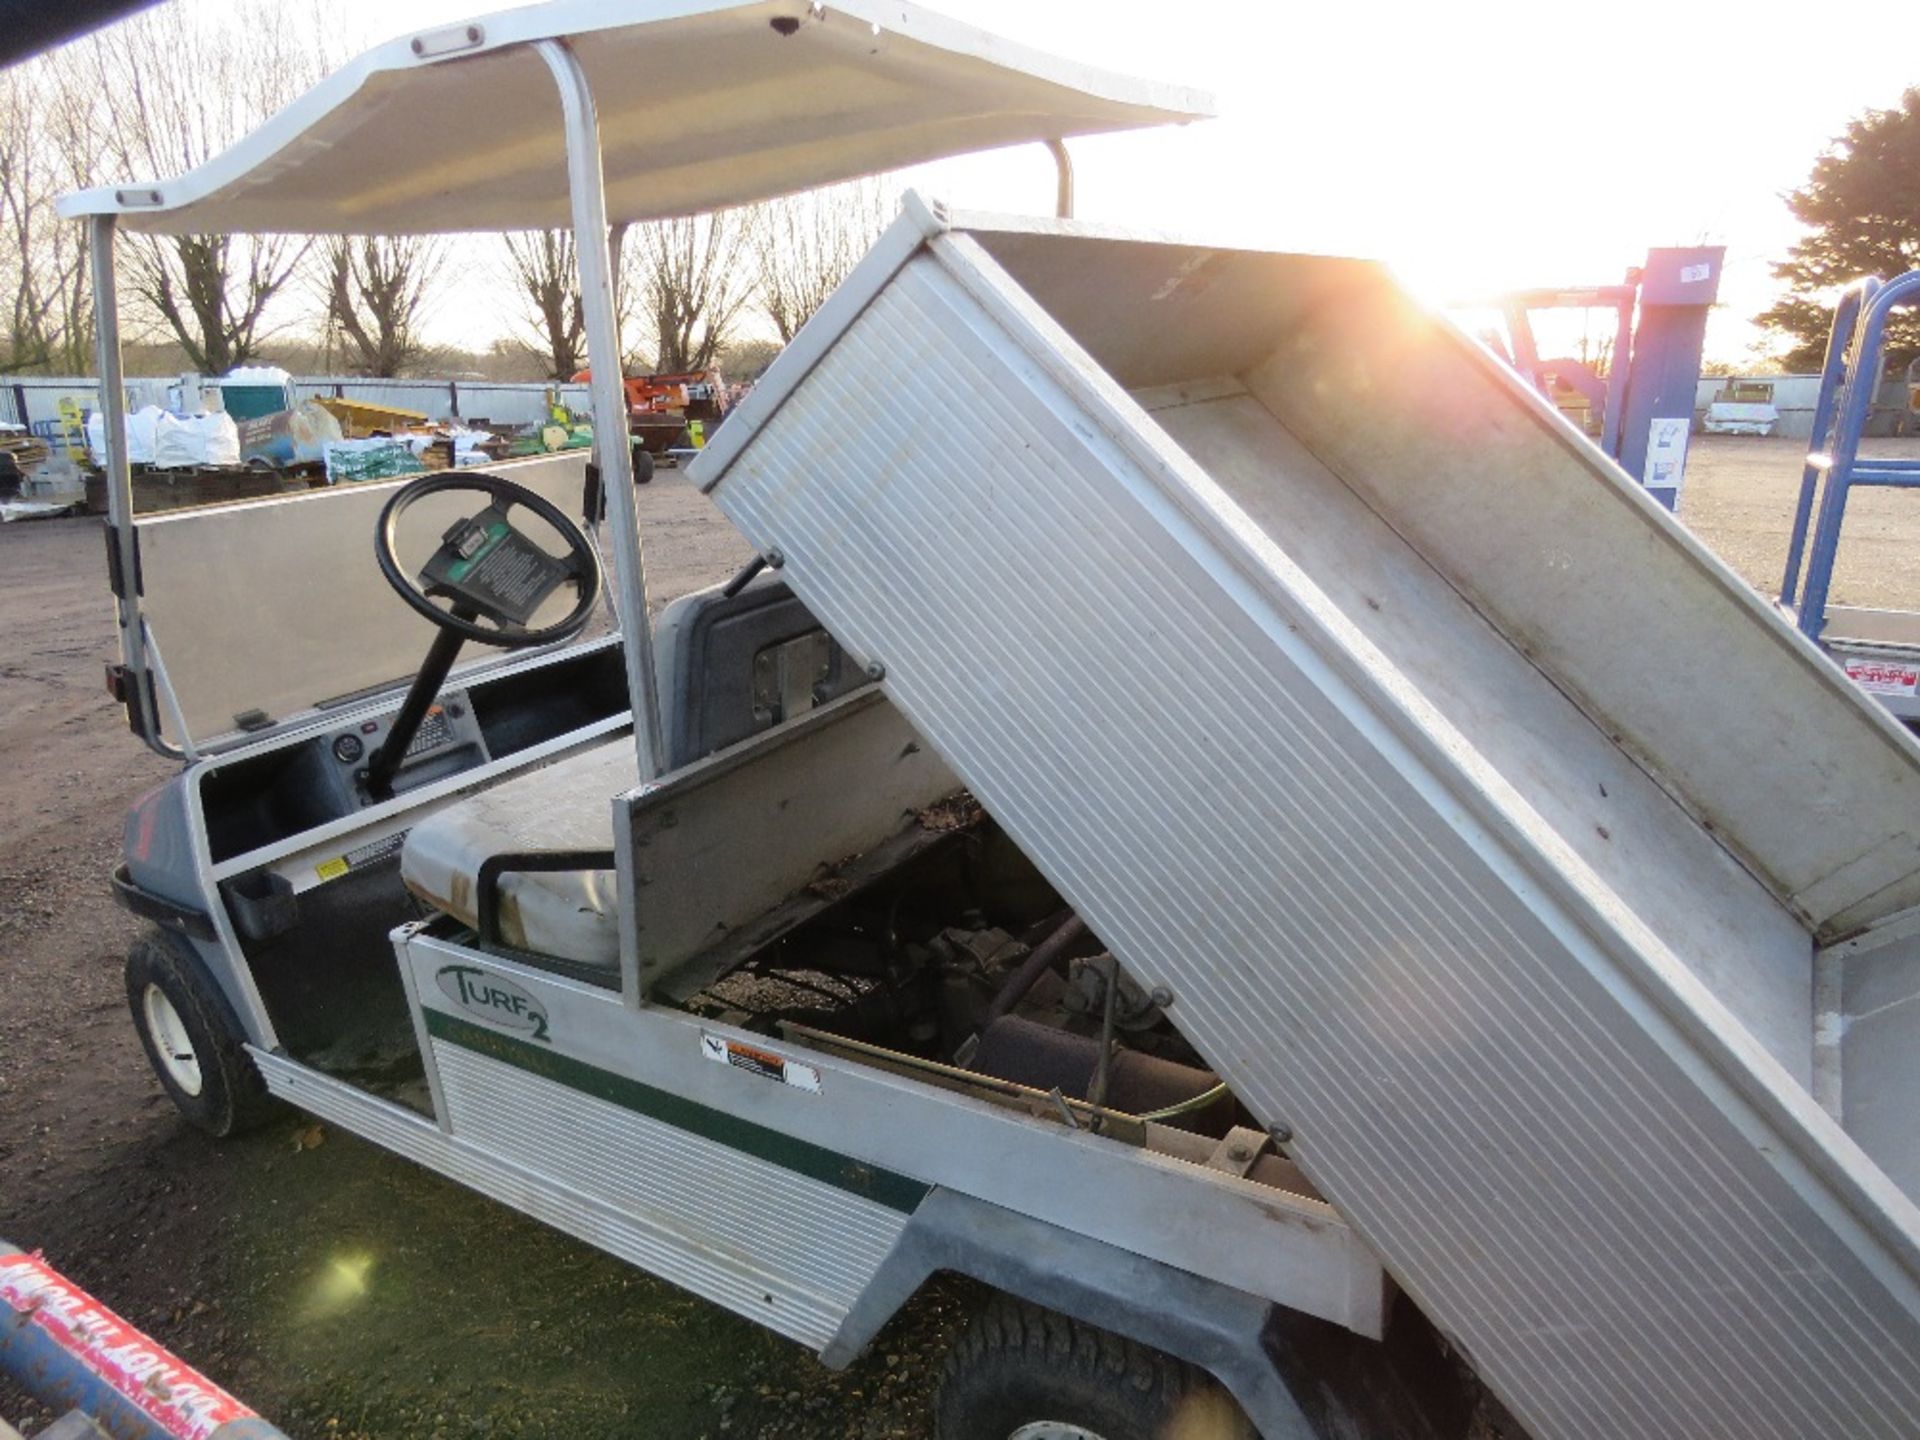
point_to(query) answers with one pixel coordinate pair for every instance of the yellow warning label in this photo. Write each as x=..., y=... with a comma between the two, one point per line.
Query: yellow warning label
x=332, y=869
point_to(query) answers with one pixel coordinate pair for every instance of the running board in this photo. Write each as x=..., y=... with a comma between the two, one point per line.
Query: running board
x=552, y=1200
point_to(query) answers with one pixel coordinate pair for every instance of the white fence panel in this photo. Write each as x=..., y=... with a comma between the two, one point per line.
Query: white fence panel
x=497, y=401
x=32, y=399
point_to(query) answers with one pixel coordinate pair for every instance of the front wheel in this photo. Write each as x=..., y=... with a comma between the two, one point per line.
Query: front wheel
x=1024, y=1373
x=193, y=1041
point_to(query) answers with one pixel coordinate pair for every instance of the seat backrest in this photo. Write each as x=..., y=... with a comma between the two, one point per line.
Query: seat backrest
x=733, y=665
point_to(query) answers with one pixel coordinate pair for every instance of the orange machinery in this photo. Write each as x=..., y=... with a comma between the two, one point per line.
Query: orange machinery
x=669, y=411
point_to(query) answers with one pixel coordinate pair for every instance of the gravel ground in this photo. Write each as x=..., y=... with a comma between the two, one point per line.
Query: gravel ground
x=348, y=1294
x=1739, y=498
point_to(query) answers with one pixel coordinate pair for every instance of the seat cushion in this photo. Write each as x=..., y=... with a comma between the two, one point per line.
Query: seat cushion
x=568, y=805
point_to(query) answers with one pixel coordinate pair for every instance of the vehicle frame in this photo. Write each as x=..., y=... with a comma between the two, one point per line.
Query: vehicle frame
x=877, y=1170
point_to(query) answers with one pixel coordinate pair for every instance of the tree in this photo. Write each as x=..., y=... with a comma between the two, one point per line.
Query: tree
x=804, y=245
x=376, y=290
x=553, y=325
x=746, y=359
x=691, y=285
x=1862, y=204
x=162, y=114
x=46, y=146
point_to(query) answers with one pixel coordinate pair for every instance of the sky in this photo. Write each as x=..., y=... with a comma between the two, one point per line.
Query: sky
x=1477, y=147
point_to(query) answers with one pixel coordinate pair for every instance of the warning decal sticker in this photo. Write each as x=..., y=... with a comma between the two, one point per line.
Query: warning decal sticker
x=368, y=854
x=756, y=1061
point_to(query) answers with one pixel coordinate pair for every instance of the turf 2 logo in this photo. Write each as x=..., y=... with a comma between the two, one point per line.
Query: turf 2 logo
x=494, y=999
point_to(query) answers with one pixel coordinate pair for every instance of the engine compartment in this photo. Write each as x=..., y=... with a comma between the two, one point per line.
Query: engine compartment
x=963, y=963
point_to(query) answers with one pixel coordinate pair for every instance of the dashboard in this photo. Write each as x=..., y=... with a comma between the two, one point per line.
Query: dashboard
x=448, y=741
x=258, y=799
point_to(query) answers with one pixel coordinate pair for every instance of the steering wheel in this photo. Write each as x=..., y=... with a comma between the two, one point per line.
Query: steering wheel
x=488, y=569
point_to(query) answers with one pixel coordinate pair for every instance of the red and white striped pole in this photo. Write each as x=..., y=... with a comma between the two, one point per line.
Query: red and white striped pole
x=72, y=1353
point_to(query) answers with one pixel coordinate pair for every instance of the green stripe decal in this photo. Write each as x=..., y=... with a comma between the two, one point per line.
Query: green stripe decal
x=803, y=1157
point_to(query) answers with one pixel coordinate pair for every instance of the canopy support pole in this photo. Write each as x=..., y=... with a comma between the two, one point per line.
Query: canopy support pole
x=1063, y=186
x=142, y=712
x=612, y=440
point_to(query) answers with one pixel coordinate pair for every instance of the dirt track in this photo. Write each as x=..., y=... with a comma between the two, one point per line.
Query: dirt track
x=344, y=1292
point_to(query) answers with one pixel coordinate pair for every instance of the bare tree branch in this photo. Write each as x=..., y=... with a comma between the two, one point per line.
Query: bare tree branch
x=691, y=285
x=551, y=322
x=375, y=289
x=46, y=146
x=804, y=245
x=163, y=116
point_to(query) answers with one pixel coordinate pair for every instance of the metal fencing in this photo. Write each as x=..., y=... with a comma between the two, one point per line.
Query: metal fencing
x=497, y=401
x=35, y=399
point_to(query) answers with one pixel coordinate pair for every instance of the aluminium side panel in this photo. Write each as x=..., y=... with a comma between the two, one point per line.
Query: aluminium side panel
x=788, y=1253
x=775, y=1180
x=1625, y=1212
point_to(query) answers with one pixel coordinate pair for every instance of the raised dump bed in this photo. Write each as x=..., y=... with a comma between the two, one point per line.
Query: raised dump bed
x=1489, y=834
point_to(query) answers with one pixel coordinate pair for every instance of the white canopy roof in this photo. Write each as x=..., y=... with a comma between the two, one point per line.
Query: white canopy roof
x=702, y=104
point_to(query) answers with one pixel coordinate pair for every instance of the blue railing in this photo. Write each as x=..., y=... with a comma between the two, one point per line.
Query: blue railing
x=1848, y=382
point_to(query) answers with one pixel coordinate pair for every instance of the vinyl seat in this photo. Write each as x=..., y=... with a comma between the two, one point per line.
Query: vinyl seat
x=568, y=805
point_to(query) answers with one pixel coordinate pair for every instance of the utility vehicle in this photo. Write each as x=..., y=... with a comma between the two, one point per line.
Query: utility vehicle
x=1272, y=855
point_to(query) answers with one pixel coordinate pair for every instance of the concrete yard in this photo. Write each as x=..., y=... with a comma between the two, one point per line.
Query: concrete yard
x=346, y=1293
x=1739, y=498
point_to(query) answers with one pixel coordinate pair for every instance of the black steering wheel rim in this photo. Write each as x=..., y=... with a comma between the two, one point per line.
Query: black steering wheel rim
x=583, y=563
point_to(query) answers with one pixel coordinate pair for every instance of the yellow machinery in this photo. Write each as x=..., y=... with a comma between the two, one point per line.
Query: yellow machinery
x=360, y=419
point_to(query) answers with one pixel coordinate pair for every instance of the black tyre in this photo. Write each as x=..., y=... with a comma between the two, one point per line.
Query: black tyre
x=1024, y=1373
x=192, y=1039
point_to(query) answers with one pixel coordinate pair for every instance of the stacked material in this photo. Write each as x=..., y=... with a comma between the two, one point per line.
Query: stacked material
x=26, y=451
x=170, y=442
x=382, y=457
x=375, y=458
x=53, y=486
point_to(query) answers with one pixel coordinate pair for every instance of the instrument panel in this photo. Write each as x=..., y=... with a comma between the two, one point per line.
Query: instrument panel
x=447, y=741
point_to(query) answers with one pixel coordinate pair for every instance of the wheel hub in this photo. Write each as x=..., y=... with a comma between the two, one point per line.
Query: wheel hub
x=171, y=1041
x=1054, y=1430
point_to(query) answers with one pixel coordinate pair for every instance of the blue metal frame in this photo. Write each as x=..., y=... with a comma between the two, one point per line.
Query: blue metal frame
x=1609, y=397
x=63, y=1366
x=1660, y=328
x=1849, y=381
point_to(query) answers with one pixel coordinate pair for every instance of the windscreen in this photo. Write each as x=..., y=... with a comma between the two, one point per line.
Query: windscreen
x=270, y=608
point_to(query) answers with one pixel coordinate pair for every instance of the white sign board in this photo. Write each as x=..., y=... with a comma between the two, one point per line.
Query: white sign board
x=1883, y=677
x=1666, y=453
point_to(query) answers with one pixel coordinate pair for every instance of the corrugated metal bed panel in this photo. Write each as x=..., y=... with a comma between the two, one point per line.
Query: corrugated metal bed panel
x=1573, y=1156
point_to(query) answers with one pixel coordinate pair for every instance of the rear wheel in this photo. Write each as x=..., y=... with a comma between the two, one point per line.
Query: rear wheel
x=192, y=1039
x=1024, y=1373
